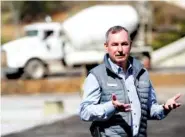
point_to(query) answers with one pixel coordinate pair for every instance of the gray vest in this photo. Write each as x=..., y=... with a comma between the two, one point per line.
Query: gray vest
x=119, y=125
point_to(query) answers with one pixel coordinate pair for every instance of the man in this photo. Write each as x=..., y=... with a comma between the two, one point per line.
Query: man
x=118, y=95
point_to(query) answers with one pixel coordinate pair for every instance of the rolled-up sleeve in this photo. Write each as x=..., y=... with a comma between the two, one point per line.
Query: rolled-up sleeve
x=90, y=109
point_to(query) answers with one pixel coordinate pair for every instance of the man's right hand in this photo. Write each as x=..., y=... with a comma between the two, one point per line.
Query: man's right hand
x=120, y=106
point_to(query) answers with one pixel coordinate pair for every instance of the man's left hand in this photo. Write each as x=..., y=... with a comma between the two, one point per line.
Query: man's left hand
x=172, y=102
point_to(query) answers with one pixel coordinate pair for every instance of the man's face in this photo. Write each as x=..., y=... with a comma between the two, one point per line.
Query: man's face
x=118, y=47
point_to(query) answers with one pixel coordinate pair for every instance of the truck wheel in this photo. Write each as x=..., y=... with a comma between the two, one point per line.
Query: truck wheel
x=35, y=69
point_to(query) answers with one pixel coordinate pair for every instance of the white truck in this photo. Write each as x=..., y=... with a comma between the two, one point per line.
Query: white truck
x=78, y=41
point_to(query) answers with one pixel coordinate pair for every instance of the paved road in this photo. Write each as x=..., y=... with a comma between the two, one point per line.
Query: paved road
x=20, y=112
x=172, y=126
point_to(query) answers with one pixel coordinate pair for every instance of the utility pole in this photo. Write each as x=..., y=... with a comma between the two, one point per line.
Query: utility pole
x=15, y=11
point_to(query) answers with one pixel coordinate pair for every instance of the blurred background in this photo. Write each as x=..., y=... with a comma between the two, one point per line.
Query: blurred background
x=48, y=47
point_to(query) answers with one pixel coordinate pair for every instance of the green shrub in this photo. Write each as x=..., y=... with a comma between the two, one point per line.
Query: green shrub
x=163, y=39
x=4, y=40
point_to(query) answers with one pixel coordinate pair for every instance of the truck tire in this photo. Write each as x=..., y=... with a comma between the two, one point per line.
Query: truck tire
x=35, y=69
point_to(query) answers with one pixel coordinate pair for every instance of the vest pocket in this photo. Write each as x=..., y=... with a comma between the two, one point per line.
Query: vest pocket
x=114, y=131
x=106, y=95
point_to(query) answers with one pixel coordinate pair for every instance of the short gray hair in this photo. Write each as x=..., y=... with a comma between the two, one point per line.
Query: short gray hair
x=114, y=30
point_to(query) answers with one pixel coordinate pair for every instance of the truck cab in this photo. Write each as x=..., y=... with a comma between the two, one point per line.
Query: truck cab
x=32, y=53
x=43, y=30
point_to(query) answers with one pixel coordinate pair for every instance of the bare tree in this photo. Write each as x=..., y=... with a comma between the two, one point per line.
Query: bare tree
x=15, y=7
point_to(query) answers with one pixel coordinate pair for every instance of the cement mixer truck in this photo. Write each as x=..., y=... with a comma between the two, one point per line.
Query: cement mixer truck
x=76, y=42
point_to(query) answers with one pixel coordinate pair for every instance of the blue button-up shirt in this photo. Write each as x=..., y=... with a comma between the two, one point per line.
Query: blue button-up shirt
x=90, y=110
x=132, y=94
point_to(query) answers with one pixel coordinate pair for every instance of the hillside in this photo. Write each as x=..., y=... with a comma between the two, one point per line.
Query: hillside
x=168, y=22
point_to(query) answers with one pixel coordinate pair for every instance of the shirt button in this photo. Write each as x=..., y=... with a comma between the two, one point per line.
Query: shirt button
x=136, y=126
x=127, y=90
x=130, y=101
x=134, y=113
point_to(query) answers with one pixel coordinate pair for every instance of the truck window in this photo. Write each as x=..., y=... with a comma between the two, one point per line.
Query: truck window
x=48, y=33
x=32, y=33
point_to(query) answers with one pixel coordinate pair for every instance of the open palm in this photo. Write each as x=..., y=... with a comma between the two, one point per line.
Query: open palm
x=172, y=102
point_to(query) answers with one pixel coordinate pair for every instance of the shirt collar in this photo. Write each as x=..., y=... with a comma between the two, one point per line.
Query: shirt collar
x=117, y=69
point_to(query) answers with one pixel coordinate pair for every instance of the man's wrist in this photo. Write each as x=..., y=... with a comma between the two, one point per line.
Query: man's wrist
x=109, y=107
x=166, y=111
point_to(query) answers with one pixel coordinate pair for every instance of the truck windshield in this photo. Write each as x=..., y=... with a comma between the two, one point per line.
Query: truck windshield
x=32, y=33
